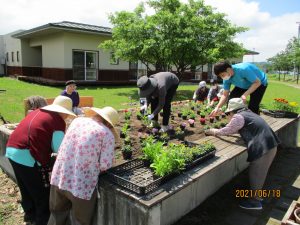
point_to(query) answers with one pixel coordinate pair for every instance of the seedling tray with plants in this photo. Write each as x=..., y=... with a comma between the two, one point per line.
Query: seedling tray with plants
x=145, y=175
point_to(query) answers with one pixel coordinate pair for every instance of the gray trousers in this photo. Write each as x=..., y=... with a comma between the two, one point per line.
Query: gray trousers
x=63, y=202
x=258, y=169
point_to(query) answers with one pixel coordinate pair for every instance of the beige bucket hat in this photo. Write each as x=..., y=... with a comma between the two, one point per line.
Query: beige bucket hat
x=235, y=104
x=61, y=104
x=109, y=114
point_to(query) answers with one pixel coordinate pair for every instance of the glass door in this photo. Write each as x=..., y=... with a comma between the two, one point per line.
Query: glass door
x=90, y=66
x=85, y=66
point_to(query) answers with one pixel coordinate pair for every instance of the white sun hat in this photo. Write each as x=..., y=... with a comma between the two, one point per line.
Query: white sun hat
x=109, y=114
x=61, y=104
x=235, y=104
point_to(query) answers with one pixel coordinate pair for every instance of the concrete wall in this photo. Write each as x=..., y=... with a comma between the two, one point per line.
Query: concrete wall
x=89, y=42
x=12, y=45
x=31, y=56
x=52, y=50
x=2, y=55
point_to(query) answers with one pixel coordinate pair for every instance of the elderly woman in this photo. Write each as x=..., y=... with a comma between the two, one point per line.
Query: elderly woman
x=29, y=150
x=261, y=142
x=201, y=93
x=86, y=151
x=71, y=92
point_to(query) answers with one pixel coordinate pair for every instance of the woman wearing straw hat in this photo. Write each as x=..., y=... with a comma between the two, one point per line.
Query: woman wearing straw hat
x=29, y=150
x=85, y=152
x=261, y=143
x=159, y=90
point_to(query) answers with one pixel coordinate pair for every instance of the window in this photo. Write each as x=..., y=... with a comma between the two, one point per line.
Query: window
x=113, y=60
x=18, y=58
x=7, y=58
x=12, y=56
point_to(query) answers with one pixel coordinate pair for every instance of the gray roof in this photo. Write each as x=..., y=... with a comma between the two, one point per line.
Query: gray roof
x=64, y=25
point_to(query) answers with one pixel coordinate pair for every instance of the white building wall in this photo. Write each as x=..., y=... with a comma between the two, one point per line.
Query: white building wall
x=89, y=42
x=12, y=46
x=51, y=47
x=2, y=55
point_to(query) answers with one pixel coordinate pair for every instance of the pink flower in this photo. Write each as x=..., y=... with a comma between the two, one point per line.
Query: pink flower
x=191, y=121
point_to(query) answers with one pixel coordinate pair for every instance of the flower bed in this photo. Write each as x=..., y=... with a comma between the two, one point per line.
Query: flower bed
x=282, y=108
x=135, y=128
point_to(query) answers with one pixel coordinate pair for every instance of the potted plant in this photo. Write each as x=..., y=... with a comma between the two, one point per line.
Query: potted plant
x=179, y=133
x=202, y=115
x=211, y=119
x=139, y=115
x=179, y=114
x=126, y=151
x=192, y=115
x=202, y=121
x=164, y=137
x=183, y=126
x=127, y=114
x=191, y=122
x=127, y=140
x=217, y=117
x=223, y=115
x=155, y=132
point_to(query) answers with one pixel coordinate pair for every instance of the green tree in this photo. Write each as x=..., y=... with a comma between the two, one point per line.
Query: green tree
x=177, y=35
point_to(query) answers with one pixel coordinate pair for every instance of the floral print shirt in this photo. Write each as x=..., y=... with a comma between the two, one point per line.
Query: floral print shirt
x=86, y=150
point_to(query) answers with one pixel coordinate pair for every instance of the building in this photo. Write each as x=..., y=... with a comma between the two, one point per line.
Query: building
x=56, y=52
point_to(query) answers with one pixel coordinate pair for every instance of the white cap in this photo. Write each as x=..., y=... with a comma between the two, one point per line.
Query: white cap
x=202, y=84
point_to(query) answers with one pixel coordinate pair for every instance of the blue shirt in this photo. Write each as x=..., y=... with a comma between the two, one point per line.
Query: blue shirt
x=244, y=76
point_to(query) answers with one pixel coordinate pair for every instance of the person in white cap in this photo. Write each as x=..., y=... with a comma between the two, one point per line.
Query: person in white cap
x=85, y=152
x=29, y=150
x=261, y=144
x=159, y=90
x=201, y=93
x=213, y=94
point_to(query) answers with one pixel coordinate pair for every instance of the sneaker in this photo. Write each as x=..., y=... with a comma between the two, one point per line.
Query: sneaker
x=251, y=204
x=164, y=128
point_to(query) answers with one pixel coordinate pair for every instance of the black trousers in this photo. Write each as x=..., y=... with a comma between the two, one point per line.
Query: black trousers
x=167, y=107
x=255, y=97
x=35, y=197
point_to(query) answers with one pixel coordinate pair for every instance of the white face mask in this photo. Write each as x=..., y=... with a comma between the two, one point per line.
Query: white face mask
x=227, y=77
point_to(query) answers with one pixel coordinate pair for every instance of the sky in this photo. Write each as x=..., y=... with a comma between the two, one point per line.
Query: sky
x=271, y=23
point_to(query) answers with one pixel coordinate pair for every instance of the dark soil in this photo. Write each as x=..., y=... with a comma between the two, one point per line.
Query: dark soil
x=138, y=129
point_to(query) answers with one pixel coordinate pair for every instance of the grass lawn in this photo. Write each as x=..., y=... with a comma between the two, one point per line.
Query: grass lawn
x=120, y=97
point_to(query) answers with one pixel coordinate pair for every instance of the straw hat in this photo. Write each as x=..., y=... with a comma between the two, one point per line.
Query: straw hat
x=61, y=104
x=146, y=86
x=234, y=104
x=108, y=113
x=202, y=84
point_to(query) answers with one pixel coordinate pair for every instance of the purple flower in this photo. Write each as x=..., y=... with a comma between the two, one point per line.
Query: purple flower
x=183, y=124
x=154, y=131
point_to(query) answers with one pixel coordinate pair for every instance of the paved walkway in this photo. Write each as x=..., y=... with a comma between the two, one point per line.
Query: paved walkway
x=222, y=208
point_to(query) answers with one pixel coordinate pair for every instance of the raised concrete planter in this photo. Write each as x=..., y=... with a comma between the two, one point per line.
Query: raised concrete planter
x=4, y=162
x=176, y=198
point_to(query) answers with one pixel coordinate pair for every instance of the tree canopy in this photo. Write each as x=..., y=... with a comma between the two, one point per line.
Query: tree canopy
x=176, y=34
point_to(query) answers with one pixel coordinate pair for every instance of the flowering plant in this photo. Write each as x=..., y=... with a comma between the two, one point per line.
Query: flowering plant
x=284, y=105
x=191, y=121
x=182, y=126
